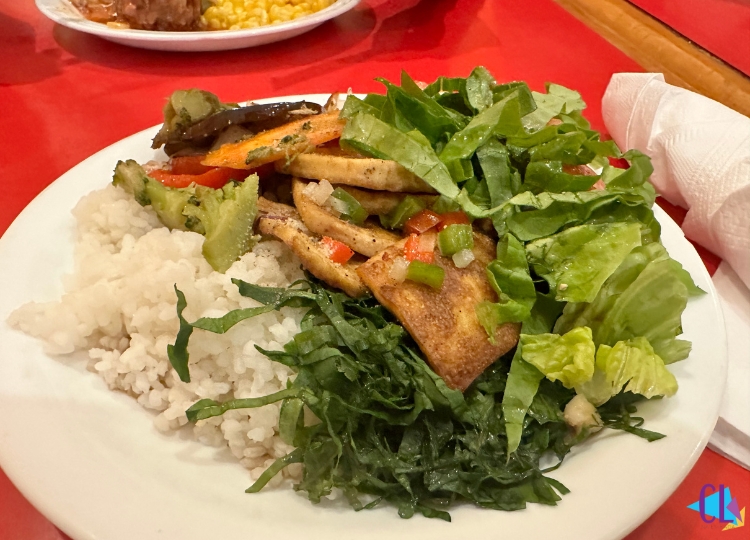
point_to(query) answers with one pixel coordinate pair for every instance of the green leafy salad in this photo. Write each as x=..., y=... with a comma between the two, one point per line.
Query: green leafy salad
x=579, y=266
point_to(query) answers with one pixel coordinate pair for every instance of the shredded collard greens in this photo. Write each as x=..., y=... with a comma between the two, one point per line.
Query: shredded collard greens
x=579, y=265
x=390, y=429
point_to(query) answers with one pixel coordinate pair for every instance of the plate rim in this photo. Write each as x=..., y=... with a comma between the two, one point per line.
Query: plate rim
x=76, y=531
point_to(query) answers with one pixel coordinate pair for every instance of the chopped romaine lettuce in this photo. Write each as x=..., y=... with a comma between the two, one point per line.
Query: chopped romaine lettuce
x=568, y=358
x=632, y=364
x=577, y=261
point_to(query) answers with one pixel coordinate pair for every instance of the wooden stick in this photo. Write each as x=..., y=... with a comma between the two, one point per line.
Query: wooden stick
x=658, y=48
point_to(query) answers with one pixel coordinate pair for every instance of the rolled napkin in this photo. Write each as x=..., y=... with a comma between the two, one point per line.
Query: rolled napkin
x=700, y=150
x=701, y=155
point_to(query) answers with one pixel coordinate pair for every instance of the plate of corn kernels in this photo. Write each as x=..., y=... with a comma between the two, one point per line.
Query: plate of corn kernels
x=193, y=25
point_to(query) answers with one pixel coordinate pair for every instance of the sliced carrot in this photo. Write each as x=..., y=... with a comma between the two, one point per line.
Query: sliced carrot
x=282, y=142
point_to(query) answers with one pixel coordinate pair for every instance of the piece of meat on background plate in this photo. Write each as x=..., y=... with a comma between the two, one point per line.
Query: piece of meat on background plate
x=443, y=322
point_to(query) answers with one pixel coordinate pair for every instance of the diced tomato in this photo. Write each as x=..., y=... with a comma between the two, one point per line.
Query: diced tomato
x=453, y=218
x=422, y=221
x=620, y=163
x=581, y=170
x=338, y=251
x=598, y=185
x=214, y=178
x=412, y=250
x=188, y=165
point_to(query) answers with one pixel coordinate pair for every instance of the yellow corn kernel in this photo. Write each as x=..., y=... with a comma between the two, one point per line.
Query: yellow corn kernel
x=238, y=14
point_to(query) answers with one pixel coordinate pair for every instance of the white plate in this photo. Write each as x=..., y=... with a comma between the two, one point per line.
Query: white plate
x=63, y=12
x=93, y=463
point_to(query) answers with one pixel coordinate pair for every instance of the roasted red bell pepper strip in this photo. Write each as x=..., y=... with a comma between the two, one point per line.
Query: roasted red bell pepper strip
x=413, y=252
x=188, y=165
x=338, y=252
x=215, y=178
x=422, y=221
x=620, y=163
x=453, y=218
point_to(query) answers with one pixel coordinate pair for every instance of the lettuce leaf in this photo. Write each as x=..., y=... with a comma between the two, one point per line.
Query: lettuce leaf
x=632, y=364
x=503, y=116
x=644, y=297
x=374, y=137
x=509, y=277
x=577, y=261
x=549, y=176
x=568, y=358
x=520, y=389
x=557, y=100
x=546, y=213
x=522, y=385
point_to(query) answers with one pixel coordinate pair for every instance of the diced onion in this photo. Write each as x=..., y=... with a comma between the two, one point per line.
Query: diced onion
x=427, y=242
x=463, y=258
x=318, y=192
x=399, y=269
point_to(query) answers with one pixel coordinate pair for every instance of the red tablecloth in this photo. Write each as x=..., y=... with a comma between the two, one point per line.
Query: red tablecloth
x=722, y=27
x=66, y=95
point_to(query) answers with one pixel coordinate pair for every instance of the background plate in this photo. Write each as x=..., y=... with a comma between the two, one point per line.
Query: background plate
x=63, y=12
x=92, y=462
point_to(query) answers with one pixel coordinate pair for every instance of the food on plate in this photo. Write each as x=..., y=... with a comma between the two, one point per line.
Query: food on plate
x=283, y=142
x=367, y=239
x=442, y=320
x=169, y=15
x=238, y=14
x=484, y=288
x=348, y=168
x=188, y=15
x=315, y=254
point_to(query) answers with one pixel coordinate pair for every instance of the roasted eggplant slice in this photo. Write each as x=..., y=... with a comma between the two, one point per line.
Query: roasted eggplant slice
x=255, y=118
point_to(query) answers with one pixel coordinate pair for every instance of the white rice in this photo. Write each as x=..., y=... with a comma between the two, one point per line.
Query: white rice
x=119, y=306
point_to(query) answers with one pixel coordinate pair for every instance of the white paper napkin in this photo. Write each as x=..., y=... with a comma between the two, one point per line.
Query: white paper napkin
x=700, y=150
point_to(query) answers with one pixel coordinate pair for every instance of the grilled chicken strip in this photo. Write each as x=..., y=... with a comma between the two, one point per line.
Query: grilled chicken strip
x=377, y=203
x=443, y=322
x=341, y=167
x=312, y=253
x=367, y=240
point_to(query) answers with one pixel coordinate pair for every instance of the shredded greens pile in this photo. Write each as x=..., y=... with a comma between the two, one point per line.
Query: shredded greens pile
x=583, y=271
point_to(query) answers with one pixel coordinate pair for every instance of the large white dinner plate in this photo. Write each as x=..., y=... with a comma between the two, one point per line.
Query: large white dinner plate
x=92, y=462
x=63, y=12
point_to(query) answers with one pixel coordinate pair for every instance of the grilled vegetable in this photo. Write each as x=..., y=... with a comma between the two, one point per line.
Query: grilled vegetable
x=225, y=216
x=284, y=142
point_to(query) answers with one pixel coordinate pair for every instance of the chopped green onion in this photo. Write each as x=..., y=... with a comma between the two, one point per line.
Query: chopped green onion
x=396, y=218
x=351, y=210
x=429, y=274
x=455, y=238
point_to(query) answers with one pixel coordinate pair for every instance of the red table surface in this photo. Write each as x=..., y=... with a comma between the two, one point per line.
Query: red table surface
x=67, y=95
x=722, y=27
